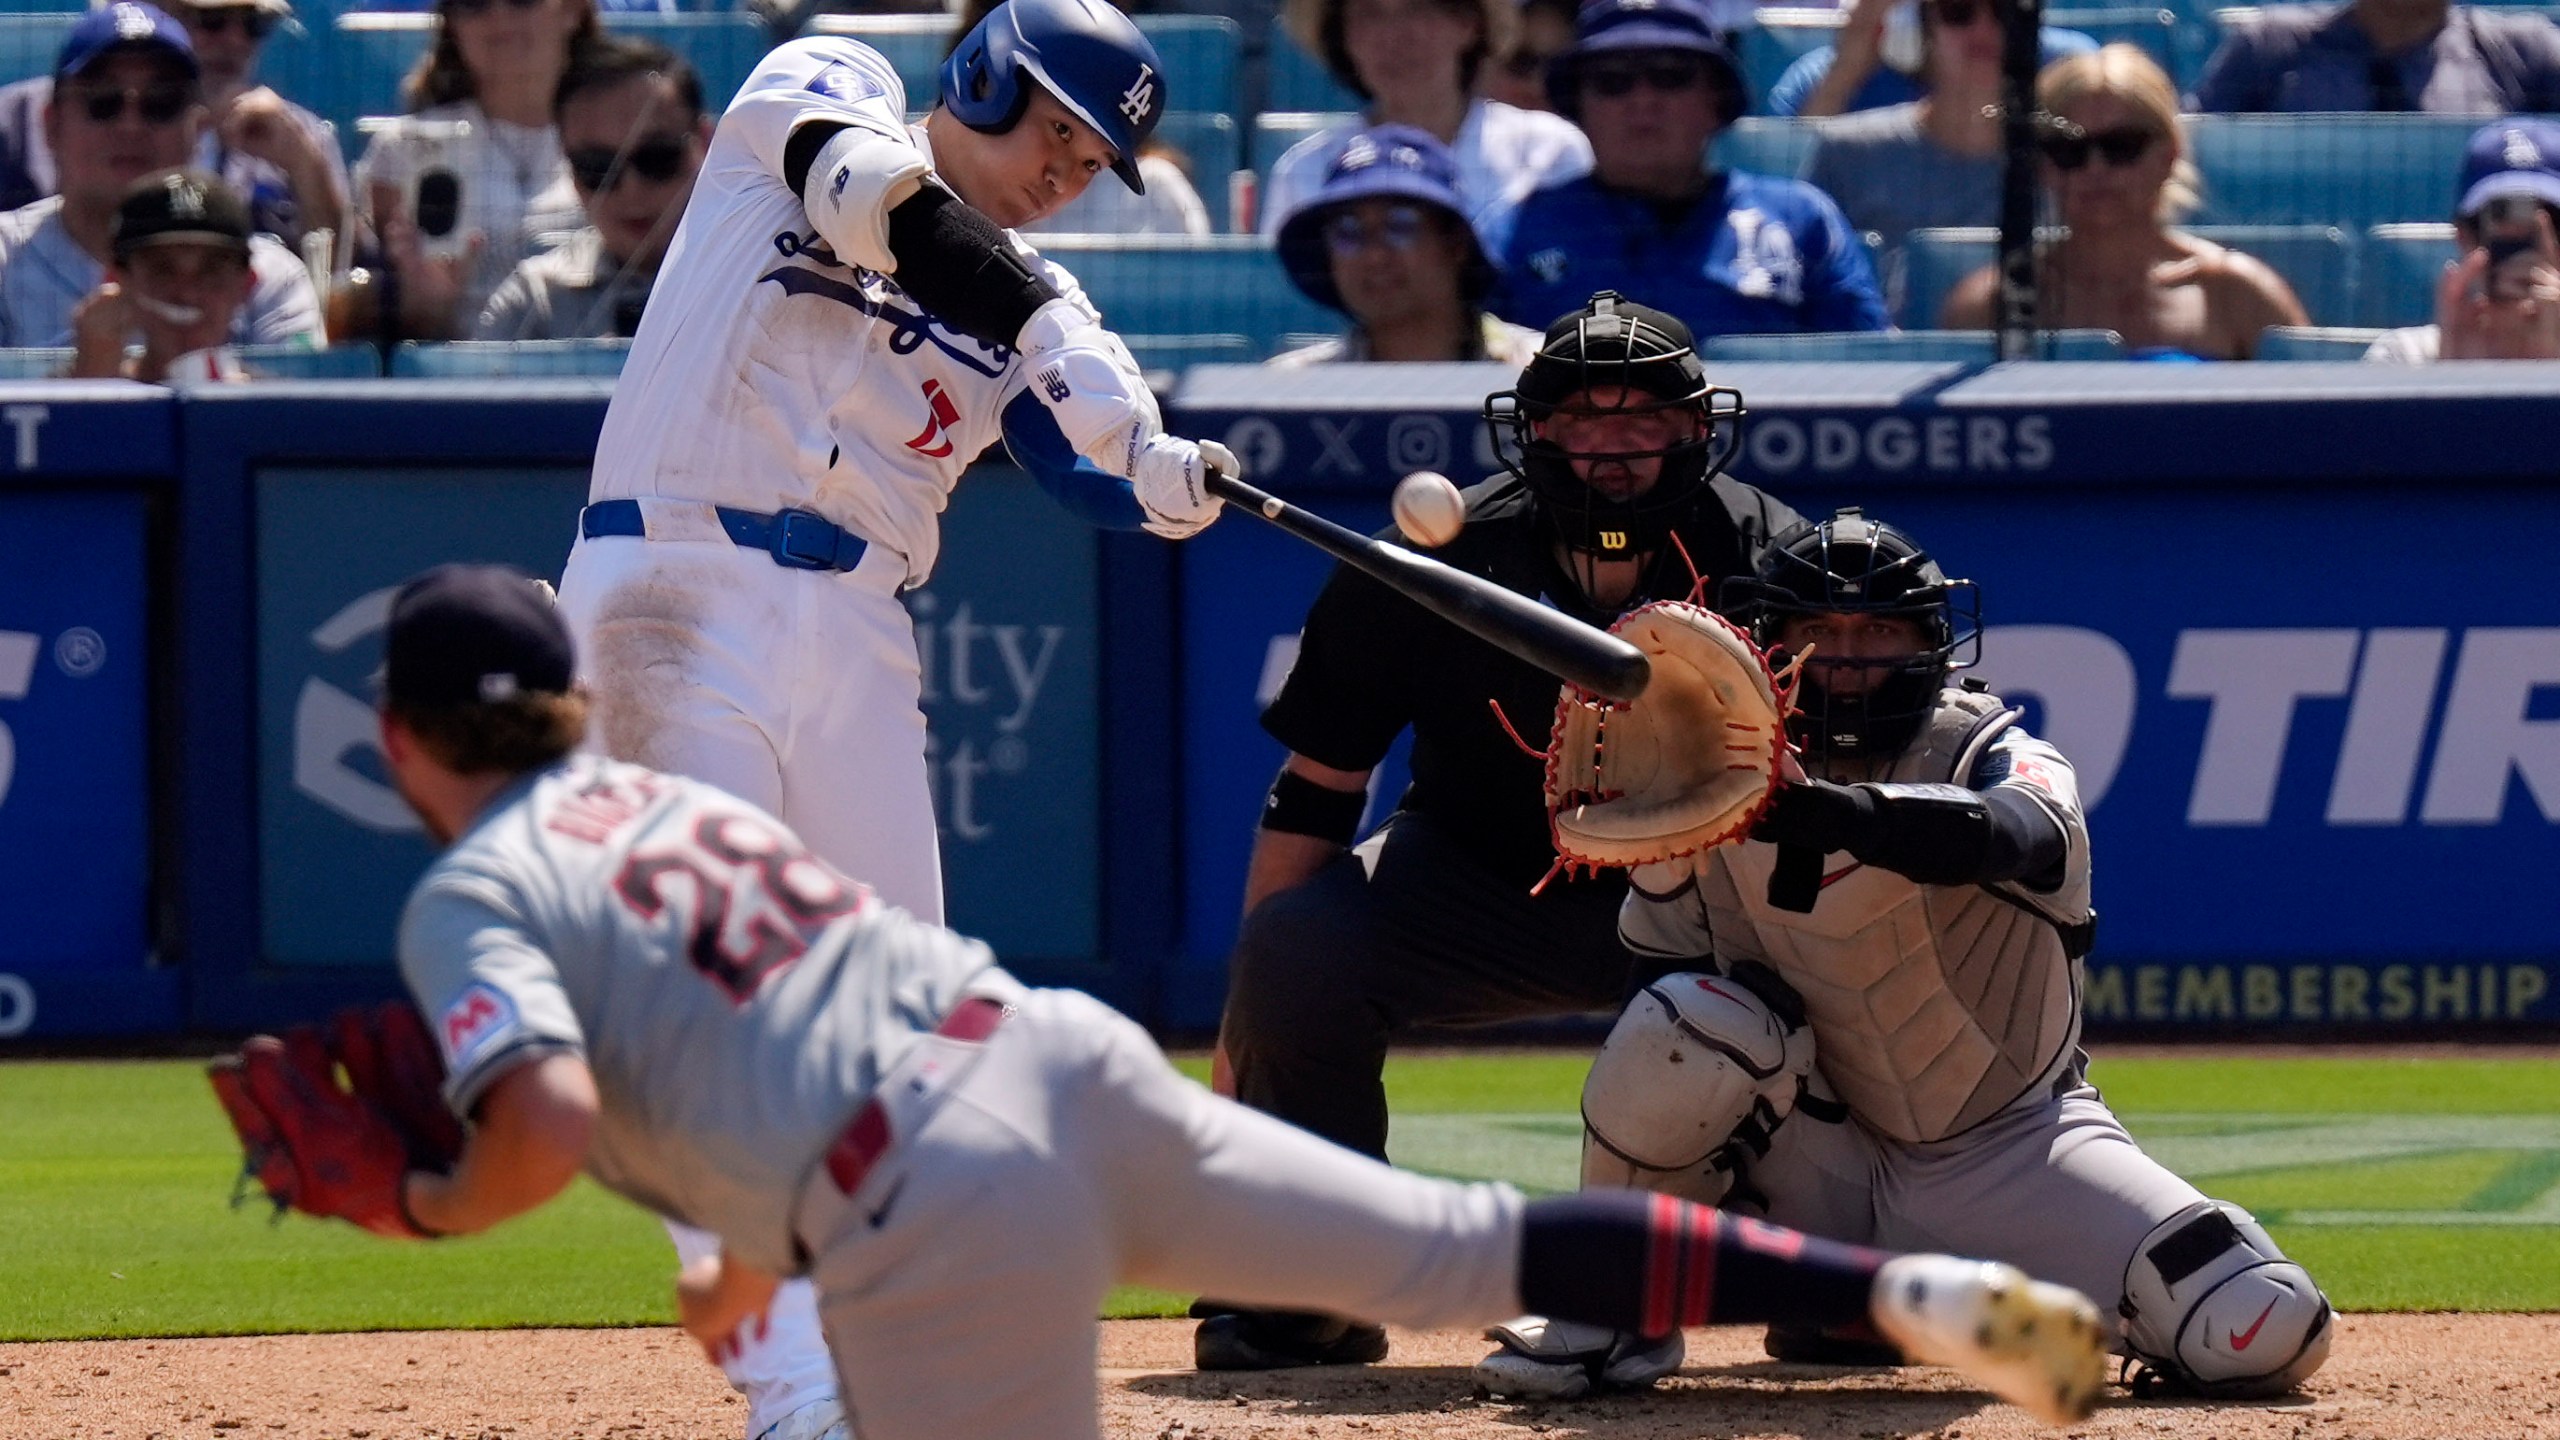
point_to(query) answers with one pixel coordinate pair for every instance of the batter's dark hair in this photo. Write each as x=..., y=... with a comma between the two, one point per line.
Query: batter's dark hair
x=611, y=59
x=507, y=737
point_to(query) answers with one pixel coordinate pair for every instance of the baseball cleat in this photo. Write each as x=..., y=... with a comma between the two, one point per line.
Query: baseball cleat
x=1541, y=1359
x=2035, y=1345
x=1282, y=1340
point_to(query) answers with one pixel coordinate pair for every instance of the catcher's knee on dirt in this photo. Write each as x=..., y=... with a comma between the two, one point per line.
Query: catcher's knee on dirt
x=1697, y=1074
x=2213, y=1307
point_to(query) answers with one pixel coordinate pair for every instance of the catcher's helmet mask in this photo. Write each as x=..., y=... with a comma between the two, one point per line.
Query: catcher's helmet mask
x=1651, y=361
x=1851, y=565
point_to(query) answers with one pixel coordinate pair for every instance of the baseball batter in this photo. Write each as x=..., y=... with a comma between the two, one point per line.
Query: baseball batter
x=1904, y=930
x=637, y=974
x=841, y=326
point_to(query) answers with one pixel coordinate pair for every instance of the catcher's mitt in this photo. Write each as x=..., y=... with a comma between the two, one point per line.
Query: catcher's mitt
x=330, y=1148
x=1687, y=765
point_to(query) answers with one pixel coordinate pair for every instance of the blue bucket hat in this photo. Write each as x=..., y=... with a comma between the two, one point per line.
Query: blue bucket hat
x=125, y=24
x=1388, y=162
x=1606, y=26
x=2510, y=157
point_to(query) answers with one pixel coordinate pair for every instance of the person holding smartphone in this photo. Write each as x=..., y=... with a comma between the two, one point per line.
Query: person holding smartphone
x=2500, y=299
x=472, y=180
x=631, y=123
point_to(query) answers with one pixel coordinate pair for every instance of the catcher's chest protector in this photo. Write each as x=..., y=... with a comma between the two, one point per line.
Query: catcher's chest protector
x=1932, y=1006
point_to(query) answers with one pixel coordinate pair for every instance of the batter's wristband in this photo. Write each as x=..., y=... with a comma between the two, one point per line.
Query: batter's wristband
x=1300, y=806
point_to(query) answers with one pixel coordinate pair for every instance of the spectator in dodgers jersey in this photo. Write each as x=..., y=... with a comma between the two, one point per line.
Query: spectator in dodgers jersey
x=1725, y=251
x=1386, y=242
x=2385, y=55
x=480, y=107
x=125, y=104
x=279, y=155
x=180, y=274
x=1882, y=57
x=2116, y=165
x=630, y=118
x=1416, y=62
x=2501, y=299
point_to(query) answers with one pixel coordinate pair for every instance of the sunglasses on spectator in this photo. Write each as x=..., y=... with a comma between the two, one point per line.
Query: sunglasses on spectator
x=656, y=159
x=215, y=19
x=483, y=7
x=1670, y=77
x=104, y=105
x=1401, y=230
x=1957, y=14
x=2116, y=147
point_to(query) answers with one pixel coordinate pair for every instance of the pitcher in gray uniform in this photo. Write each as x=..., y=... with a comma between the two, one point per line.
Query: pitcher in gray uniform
x=1866, y=1020
x=640, y=975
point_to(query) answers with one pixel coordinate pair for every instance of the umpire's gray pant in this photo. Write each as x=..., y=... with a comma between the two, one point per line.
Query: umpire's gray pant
x=1408, y=929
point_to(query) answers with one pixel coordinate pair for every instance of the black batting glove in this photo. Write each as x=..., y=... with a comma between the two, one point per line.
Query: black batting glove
x=1819, y=816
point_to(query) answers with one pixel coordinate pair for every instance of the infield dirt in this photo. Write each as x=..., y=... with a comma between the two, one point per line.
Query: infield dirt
x=2392, y=1377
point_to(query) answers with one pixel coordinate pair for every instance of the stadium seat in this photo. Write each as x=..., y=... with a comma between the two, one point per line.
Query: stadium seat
x=2314, y=342
x=1766, y=144
x=1784, y=35
x=1274, y=133
x=491, y=359
x=301, y=362
x=1178, y=352
x=29, y=42
x=1213, y=151
x=2345, y=170
x=1970, y=346
x=373, y=51
x=1203, y=54
x=2318, y=261
x=1223, y=285
x=1296, y=80
x=2401, y=265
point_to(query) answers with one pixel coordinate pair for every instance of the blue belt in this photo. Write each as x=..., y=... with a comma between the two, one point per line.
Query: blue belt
x=796, y=539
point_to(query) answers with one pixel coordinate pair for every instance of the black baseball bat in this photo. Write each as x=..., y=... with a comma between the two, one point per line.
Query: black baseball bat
x=1558, y=644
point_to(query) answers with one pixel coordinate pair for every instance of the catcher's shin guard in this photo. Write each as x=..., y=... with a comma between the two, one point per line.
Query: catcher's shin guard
x=1693, y=1079
x=2213, y=1308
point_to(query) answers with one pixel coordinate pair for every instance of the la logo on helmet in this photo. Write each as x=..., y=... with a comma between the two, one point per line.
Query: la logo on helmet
x=1140, y=97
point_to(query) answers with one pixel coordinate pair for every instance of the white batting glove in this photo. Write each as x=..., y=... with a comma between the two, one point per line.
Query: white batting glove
x=1168, y=480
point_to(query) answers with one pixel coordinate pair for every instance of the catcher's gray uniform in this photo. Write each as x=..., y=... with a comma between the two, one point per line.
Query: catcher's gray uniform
x=964, y=1165
x=1946, y=1020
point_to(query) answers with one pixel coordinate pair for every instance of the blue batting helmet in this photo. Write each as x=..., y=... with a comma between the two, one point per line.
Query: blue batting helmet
x=1085, y=52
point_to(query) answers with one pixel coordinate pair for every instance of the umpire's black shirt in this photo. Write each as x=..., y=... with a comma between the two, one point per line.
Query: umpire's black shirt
x=1371, y=663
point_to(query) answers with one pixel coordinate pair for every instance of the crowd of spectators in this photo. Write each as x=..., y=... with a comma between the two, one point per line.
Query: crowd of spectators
x=1510, y=157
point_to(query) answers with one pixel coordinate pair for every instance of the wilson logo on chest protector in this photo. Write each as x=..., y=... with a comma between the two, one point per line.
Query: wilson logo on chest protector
x=934, y=441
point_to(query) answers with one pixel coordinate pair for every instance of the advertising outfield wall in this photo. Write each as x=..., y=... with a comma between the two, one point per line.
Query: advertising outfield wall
x=2293, y=635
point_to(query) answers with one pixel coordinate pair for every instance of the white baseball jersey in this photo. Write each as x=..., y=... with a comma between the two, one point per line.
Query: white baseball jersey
x=768, y=373
x=735, y=997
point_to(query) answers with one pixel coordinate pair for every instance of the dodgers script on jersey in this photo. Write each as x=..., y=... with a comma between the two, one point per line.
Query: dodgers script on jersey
x=736, y=998
x=768, y=373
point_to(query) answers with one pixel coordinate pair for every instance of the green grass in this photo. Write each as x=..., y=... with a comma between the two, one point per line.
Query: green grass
x=2404, y=1184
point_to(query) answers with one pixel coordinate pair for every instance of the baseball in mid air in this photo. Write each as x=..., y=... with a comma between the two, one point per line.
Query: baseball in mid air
x=1428, y=509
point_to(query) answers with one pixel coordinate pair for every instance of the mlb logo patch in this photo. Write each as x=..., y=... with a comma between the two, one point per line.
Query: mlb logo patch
x=842, y=82
x=478, y=1020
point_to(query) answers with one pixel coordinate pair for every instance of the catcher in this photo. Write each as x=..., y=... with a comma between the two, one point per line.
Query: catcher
x=635, y=973
x=1865, y=1019
x=1615, y=443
